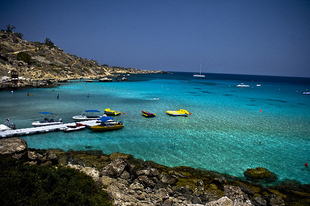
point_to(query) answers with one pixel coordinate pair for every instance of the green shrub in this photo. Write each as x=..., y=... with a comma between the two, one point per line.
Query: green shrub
x=32, y=185
x=23, y=56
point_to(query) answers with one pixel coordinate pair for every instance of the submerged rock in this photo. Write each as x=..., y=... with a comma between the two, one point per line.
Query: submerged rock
x=260, y=174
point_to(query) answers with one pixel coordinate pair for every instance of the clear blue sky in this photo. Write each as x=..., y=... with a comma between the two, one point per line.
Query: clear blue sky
x=262, y=37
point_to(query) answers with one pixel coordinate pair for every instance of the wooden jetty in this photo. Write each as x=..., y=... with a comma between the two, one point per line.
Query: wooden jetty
x=43, y=129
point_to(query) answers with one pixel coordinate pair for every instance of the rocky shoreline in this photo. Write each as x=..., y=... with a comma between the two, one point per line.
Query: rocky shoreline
x=130, y=181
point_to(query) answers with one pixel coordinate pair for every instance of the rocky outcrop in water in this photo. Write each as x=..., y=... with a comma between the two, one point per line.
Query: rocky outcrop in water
x=130, y=181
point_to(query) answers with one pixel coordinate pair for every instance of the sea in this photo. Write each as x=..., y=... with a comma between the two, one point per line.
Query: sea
x=229, y=129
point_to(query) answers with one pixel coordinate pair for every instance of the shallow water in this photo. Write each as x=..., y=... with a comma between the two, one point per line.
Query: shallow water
x=229, y=130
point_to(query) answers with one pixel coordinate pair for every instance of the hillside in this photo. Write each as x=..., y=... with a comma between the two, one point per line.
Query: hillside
x=46, y=61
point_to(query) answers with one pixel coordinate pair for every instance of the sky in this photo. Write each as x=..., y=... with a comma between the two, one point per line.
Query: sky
x=256, y=37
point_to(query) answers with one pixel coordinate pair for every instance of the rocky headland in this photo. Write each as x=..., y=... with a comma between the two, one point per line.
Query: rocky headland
x=44, y=64
x=130, y=181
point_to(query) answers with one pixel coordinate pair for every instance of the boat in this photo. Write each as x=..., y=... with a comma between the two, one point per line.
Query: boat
x=105, y=79
x=3, y=128
x=110, y=112
x=306, y=93
x=48, y=119
x=89, y=115
x=89, y=80
x=107, y=124
x=9, y=124
x=29, y=94
x=199, y=75
x=181, y=112
x=243, y=85
x=148, y=114
x=75, y=127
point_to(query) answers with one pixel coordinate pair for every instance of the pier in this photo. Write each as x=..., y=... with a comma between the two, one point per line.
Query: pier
x=43, y=129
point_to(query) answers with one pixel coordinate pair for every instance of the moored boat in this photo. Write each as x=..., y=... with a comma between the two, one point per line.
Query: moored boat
x=88, y=115
x=243, y=85
x=75, y=127
x=148, y=114
x=48, y=119
x=181, y=112
x=107, y=124
x=110, y=112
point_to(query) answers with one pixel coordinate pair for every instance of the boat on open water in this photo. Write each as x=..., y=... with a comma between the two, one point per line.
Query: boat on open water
x=110, y=112
x=181, y=112
x=148, y=114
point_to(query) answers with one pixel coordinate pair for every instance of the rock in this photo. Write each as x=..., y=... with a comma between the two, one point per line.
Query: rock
x=125, y=175
x=146, y=181
x=148, y=172
x=13, y=147
x=260, y=174
x=106, y=181
x=274, y=200
x=168, y=202
x=219, y=181
x=168, y=179
x=236, y=195
x=224, y=201
x=115, y=168
x=90, y=171
x=247, y=190
x=259, y=201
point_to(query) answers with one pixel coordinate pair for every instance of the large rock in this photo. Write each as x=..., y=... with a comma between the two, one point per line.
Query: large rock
x=168, y=179
x=13, y=147
x=236, y=195
x=224, y=201
x=260, y=174
x=115, y=168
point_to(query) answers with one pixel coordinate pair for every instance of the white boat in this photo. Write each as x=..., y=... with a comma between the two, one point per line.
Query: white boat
x=4, y=128
x=89, y=115
x=48, y=119
x=71, y=128
x=199, y=75
x=243, y=85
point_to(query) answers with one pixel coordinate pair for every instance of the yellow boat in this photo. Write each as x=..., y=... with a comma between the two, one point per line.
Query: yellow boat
x=106, y=127
x=181, y=112
x=108, y=111
x=106, y=124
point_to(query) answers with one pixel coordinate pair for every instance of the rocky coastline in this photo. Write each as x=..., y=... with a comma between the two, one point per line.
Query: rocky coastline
x=130, y=181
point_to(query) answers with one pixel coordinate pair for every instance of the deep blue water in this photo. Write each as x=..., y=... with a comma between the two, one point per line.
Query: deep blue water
x=229, y=130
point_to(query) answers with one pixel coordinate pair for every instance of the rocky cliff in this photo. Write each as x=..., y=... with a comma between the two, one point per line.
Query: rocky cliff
x=41, y=61
x=130, y=181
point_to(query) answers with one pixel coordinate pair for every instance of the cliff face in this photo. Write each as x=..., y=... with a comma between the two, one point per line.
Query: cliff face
x=37, y=60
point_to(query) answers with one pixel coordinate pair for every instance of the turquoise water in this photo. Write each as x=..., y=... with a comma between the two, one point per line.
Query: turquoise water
x=229, y=130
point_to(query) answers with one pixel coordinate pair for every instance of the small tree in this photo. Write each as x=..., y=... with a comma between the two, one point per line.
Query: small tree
x=49, y=43
x=9, y=28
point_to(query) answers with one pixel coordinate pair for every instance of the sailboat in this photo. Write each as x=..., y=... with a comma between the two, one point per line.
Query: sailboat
x=199, y=75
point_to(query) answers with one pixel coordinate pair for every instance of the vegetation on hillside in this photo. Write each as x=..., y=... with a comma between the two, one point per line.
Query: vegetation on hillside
x=46, y=185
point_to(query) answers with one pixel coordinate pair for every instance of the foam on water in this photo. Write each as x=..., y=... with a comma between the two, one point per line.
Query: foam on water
x=229, y=130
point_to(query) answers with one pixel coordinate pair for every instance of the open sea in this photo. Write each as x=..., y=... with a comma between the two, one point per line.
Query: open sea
x=229, y=130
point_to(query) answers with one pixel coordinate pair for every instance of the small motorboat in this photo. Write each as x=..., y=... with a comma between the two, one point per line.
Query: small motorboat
x=181, y=112
x=107, y=124
x=9, y=124
x=71, y=128
x=110, y=112
x=306, y=93
x=88, y=115
x=105, y=79
x=48, y=119
x=148, y=114
x=243, y=85
x=3, y=128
